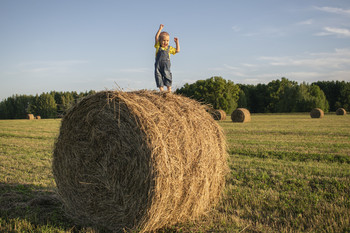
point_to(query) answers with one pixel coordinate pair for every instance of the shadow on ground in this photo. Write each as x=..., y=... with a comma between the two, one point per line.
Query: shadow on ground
x=40, y=207
x=34, y=204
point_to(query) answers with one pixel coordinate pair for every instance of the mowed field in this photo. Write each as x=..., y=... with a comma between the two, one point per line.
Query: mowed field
x=288, y=173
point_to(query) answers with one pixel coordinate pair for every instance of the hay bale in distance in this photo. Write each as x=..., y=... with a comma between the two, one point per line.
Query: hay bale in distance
x=316, y=113
x=218, y=114
x=223, y=114
x=38, y=117
x=340, y=111
x=30, y=117
x=240, y=115
x=138, y=160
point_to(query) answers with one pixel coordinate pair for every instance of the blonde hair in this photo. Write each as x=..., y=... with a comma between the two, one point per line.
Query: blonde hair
x=162, y=34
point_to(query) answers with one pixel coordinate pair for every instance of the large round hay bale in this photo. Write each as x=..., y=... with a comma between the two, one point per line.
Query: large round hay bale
x=316, y=113
x=340, y=111
x=218, y=114
x=138, y=160
x=38, y=117
x=30, y=117
x=240, y=115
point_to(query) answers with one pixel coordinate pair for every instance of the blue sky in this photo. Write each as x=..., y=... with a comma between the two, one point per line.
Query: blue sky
x=81, y=45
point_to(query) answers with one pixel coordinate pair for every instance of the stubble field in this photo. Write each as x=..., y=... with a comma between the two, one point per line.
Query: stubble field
x=288, y=173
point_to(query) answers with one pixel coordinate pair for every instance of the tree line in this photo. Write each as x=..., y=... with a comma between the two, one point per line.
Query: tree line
x=278, y=96
x=281, y=95
x=47, y=105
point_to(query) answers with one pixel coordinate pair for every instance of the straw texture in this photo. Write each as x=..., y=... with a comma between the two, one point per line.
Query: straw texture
x=316, y=113
x=138, y=160
x=30, y=117
x=218, y=114
x=240, y=115
x=340, y=111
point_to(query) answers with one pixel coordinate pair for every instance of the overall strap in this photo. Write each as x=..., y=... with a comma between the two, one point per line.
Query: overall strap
x=160, y=50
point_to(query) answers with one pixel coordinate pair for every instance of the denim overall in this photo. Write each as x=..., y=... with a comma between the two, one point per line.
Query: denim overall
x=162, y=68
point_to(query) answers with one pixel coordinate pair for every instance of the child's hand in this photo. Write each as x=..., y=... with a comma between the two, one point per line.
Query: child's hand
x=161, y=27
x=176, y=39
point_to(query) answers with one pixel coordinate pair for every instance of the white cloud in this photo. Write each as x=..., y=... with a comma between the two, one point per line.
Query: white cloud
x=336, y=60
x=306, y=22
x=34, y=68
x=340, y=32
x=231, y=67
x=334, y=10
x=343, y=75
x=306, y=67
x=248, y=65
x=252, y=81
x=303, y=75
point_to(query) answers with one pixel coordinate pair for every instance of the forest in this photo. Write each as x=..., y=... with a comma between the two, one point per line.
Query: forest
x=46, y=105
x=277, y=96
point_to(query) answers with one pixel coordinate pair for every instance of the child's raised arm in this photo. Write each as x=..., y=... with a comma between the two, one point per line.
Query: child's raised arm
x=158, y=32
x=177, y=44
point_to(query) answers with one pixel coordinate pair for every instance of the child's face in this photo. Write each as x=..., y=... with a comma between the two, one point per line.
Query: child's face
x=164, y=41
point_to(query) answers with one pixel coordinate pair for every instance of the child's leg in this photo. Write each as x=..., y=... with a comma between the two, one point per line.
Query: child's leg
x=167, y=77
x=158, y=77
x=161, y=88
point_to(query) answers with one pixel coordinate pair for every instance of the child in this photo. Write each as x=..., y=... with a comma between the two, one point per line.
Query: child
x=162, y=65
